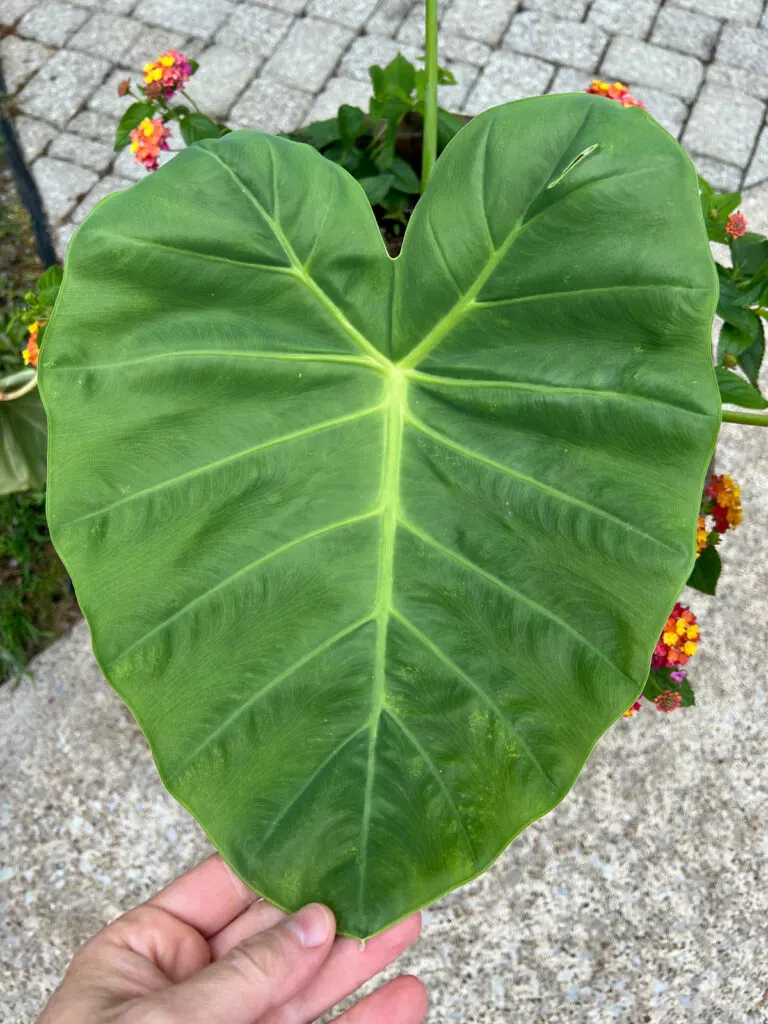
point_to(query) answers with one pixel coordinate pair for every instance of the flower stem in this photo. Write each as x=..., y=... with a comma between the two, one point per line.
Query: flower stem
x=188, y=97
x=429, y=143
x=754, y=419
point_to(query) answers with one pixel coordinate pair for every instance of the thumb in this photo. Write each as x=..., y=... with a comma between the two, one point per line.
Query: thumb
x=257, y=975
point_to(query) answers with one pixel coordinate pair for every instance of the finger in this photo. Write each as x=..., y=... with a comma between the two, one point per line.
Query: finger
x=257, y=918
x=159, y=939
x=254, y=977
x=208, y=897
x=403, y=1000
x=346, y=969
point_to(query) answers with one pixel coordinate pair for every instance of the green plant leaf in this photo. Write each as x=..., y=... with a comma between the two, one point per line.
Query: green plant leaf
x=377, y=187
x=352, y=122
x=131, y=119
x=659, y=680
x=744, y=350
x=734, y=390
x=750, y=254
x=49, y=282
x=397, y=79
x=195, y=127
x=23, y=443
x=706, y=571
x=404, y=178
x=751, y=359
x=320, y=133
x=733, y=302
x=376, y=549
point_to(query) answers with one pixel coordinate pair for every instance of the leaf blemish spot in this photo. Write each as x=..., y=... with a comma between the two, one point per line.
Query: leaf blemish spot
x=574, y=163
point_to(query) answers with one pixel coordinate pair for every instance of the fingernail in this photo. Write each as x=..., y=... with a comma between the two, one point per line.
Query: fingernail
x=311, y=925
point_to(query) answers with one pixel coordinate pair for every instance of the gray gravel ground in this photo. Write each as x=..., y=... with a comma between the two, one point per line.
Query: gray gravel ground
x=642, y=898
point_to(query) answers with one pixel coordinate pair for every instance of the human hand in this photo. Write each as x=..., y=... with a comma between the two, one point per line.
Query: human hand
x=207, y=950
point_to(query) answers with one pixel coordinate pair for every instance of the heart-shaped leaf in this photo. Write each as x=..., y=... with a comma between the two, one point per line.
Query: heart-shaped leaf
x=375, y=550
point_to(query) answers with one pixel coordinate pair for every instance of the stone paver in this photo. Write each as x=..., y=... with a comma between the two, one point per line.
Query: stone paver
x=724, y=126
x=107, y=35
x=484, y=20
x=51, y=22
x=82, y=151
x=747, y=11
x=62, y=185
x=60, y=87
x=507, y=77
x=308, y=54
x=336, y=92
x=700, y=66
x=224, y=73
x=271, y=107
x=669, y=111
x=33, y=136
x=684, y=30
x=628, y=19
x=539, y=35
x=21, y=58
x=195, y=17
x=254, y=30
x=632, y=60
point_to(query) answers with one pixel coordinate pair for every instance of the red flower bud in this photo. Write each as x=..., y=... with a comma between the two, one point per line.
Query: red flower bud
x=123, y=87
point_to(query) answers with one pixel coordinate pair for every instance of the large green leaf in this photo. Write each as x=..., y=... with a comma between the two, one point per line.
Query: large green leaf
x=375, y=550
x=23, y=442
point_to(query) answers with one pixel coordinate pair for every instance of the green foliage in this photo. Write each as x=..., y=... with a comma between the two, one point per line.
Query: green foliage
x=23, y=431
x=368, y=144
x=706, y=571
x=35, y=597
x=660, y=679
x=376, y=549
x=743, y=294
x=131, y=119
x=193, y=124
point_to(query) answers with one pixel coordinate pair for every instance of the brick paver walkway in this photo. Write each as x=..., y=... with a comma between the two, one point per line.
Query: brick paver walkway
x=701, y=67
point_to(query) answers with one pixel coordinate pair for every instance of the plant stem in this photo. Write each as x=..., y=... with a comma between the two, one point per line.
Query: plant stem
x=754, y=419
x=429, y=144
x=8, y=396
x=188, y=97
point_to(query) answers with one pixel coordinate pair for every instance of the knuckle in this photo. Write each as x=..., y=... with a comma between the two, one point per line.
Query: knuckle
x=259, y=962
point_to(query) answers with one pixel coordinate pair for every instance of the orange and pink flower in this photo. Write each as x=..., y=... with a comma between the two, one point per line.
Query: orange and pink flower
x=678, y=640
x=168, y=73
x=32, y=351
x=736, y=225
x=147, y=140
x=669, y=700
x=726, y=498
x=614, y=91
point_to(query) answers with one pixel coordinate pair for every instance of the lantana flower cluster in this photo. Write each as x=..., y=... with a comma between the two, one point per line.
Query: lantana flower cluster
x=614, y=91
x=171, y=71
x=736, y=225
x=678, y=643
x=32, y=351
x=162, y=79
x=678, y=640
x=149, y=140
x=721, y=505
